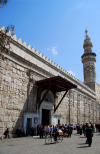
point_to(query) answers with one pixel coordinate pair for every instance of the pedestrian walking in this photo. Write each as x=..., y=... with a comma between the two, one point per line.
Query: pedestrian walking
x=41, y=131
x=89, y=134
x=55, y=133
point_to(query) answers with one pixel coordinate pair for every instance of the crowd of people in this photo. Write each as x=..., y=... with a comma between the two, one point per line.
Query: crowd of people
x=21, y=133
x=87, y=129
x=49, y=129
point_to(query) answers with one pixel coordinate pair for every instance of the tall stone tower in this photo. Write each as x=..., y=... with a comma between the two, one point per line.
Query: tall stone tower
x=88, y=60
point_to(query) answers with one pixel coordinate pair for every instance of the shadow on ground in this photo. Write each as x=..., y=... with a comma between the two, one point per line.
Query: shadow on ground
x=83, y=147
x=81, y=143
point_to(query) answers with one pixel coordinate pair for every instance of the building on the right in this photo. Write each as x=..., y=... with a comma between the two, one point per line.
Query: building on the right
x=89, y=66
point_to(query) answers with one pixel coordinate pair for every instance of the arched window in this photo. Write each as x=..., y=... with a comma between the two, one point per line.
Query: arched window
x=48, y=98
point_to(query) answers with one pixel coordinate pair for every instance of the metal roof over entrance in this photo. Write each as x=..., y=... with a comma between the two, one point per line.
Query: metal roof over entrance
x=56, y=84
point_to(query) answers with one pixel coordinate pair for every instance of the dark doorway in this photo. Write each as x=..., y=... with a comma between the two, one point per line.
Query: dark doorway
x=58, y=121
x=45, y=117
x=29, y=123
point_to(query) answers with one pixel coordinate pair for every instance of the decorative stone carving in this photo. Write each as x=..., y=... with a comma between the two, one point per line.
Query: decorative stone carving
x=31, y=76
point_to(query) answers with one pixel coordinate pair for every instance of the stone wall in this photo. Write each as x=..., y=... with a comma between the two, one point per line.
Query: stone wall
x=13, y=94
x=97, y=91
x=20, y=94
x=77, y=107
x=20, y=70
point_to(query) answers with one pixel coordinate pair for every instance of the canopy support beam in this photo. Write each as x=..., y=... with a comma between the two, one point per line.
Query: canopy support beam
x=55, y=108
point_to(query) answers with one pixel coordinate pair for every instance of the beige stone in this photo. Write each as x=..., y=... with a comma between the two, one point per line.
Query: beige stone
x=83, y=102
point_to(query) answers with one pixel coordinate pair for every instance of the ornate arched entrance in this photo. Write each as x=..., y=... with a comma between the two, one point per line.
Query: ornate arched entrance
x=46, y=109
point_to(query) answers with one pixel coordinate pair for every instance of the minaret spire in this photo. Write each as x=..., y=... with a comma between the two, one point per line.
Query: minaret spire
x=86, y=31
x=88, y=60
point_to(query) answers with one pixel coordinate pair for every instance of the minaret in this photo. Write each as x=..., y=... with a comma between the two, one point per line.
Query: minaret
x=88, y=60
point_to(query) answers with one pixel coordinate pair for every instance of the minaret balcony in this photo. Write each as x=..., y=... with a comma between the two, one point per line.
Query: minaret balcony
x=88, y=56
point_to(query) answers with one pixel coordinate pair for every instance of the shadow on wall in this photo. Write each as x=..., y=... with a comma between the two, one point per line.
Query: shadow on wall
x=29, y=106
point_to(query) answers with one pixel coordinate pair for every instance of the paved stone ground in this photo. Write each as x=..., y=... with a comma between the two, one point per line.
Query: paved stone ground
x=29, y=145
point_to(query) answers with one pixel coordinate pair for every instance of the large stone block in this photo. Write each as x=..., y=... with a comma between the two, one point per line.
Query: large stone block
x=1, y=111
x=1, y=124
x=1, y=117
x=20, y=68
x=14, y=119
x=3, y=64
x=9, y=124
x=9, y=106
x=6, y=118
x=14, y=70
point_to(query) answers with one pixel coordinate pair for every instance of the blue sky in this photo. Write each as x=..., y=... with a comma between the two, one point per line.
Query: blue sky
x=57, y=29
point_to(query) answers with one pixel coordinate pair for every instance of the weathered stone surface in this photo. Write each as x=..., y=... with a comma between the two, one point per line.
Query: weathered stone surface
x=19, y=89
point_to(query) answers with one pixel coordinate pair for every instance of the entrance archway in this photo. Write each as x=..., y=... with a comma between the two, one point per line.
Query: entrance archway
x=46, y=108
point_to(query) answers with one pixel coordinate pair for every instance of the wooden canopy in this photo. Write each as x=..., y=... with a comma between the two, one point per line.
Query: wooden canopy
x=56, y=84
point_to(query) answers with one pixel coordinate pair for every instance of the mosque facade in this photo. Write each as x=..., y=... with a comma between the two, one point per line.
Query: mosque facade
x=35, y=90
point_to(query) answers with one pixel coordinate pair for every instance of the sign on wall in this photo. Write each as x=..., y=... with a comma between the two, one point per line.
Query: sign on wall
x=35, y=120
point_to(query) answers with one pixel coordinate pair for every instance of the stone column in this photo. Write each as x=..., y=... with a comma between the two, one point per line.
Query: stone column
x=89, y=111
x=92, y=116
x=93, y=111
x=78, y=108
x=35, y=89
x=96, y=111
x=71, y=106
x=84, y=108
x=99, y=112
x=32, y=93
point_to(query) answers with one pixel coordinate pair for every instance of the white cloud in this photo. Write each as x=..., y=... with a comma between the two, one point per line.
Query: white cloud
x=71, y=72
x=54, y=50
